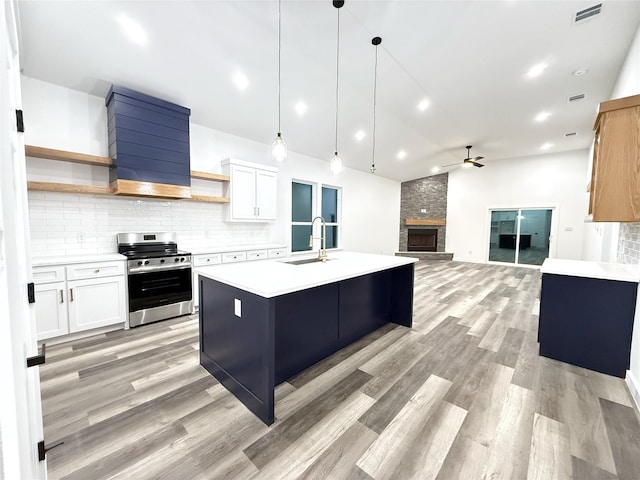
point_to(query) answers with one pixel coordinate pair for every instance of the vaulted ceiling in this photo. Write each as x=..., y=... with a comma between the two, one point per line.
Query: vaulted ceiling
x=468, y=59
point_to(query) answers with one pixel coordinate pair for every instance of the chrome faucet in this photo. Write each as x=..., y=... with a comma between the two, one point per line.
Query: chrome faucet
x=322, y=253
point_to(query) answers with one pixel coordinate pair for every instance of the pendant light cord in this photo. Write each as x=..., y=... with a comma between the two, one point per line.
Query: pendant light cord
x=375, y=90
x=279, y=57
x=337, y=71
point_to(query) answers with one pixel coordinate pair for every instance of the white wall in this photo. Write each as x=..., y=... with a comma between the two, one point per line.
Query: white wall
x=68, y=224
x=551, y=181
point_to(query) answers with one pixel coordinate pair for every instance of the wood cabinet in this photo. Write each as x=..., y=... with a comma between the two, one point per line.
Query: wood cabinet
x=252, y=191
x=78, y=297
x=615, y=176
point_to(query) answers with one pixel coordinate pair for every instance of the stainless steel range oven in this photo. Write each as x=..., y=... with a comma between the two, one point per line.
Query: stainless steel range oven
x=159, y=277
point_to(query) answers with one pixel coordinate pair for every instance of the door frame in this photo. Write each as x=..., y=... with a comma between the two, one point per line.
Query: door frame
x=553, y=235
x=20, y=405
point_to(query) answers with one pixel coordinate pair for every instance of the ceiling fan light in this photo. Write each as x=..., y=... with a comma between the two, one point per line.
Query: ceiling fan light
x=466, y=163
x=279, y=149
x=336, y=164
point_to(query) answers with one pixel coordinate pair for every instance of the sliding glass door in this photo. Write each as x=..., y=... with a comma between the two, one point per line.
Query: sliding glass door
x=520, y=236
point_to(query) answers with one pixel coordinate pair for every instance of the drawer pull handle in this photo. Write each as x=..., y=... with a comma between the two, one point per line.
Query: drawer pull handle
x=71, y=294
x=61, y=296
x=97, y=270
x=208, y=259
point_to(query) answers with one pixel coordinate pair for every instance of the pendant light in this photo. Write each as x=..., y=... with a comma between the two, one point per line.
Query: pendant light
x=336, y=161
x=375, y=41
x=279, y=146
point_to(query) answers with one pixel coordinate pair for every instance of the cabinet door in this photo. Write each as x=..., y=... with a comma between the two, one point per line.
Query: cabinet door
x=266, y=194
x=243, y=200
x=51, y=310
x=96, y=303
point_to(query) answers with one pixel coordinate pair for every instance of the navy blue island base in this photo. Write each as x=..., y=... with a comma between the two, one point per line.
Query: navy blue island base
x=275, y=338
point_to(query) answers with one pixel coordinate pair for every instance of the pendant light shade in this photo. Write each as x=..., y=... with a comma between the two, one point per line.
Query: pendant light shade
x=375, y=41
x=279, y=149
x=279, y=146
x=336, y=164
x=336, y=161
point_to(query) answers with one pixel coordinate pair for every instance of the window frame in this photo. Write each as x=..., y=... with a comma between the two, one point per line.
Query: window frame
x=316, y=210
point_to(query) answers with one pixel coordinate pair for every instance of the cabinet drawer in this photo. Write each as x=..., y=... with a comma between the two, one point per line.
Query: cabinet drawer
x=94, y=270
x=234, y=257
x=204, y=260
x=277, y=252
x=48, y=274
x=257, y=255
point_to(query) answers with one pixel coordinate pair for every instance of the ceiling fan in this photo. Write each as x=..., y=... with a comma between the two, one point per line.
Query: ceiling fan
x=467, y=162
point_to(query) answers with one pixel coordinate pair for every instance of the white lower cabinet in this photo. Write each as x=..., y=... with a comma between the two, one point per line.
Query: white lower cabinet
x=96, y=303
x=79, y=297
x=51, y=310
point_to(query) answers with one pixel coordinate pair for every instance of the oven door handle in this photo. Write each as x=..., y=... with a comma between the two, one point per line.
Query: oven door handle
x=143, y=270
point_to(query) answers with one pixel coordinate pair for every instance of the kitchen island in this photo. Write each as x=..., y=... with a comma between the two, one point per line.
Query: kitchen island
x=262, y=322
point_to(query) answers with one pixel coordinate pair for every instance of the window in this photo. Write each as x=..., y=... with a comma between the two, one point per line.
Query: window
x=305, y=206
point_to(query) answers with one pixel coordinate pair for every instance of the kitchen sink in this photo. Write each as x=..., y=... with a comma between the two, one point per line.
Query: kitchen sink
x=302, y=261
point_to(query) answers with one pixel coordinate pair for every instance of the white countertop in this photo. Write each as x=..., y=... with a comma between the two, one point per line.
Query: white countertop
x=582, y=268
x=91, y=258
x=234, y=248
x=270, y=278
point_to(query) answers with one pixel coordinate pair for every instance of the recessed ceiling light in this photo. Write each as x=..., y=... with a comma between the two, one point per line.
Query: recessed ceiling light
x=360, y=135
x=301, y=108
x=423, y=105
x=579, y=72
x=542, y=116
x=536, y=70
x=133, y=30
x=435, y=169
x=546, y=146
x=401, y=154
x=241, y=80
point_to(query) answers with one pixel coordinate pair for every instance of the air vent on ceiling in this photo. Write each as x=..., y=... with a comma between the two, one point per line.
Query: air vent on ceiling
x=571, y=134
x=588, y=13
x=575, y=98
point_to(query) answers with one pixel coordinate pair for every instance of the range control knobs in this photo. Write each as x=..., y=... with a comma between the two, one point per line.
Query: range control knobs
x=182, y=259
x=140, y=262
x=177, y=259
x=146, y=262
x=162, y=260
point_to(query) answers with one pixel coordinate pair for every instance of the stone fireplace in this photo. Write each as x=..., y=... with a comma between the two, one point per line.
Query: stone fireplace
x=423, y=212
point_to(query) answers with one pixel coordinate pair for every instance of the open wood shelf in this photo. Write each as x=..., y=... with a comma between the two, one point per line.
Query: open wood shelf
x=62, y=155
x=425, y=221
x=68, y=188
x=208, y=198
x=210, y=176
x=86, y=159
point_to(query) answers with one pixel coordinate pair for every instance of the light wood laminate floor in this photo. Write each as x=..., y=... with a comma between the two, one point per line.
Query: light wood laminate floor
x=462, y=395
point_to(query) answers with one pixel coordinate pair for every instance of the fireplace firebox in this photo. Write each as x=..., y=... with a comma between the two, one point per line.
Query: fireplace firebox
x=422, y=240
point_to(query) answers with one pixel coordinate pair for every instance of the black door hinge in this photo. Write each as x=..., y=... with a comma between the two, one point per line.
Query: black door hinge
x=31, y=292
x=38, y=359
x=42, y=450
x=19, y=121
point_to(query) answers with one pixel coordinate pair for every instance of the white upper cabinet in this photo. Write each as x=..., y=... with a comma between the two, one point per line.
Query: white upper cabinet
x=252, y=191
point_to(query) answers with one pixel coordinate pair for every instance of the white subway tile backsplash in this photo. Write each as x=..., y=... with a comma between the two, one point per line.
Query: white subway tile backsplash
x=59, y=220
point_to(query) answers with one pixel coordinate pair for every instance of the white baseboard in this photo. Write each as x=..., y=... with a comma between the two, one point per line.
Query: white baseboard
x=634, y=388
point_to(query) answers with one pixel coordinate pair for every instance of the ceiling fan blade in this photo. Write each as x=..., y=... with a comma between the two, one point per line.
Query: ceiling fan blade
x=450, y=165
x=476, y=164
x=477, y=158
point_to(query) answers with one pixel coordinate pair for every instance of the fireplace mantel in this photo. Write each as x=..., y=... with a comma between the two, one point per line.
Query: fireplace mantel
x=425, y=221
